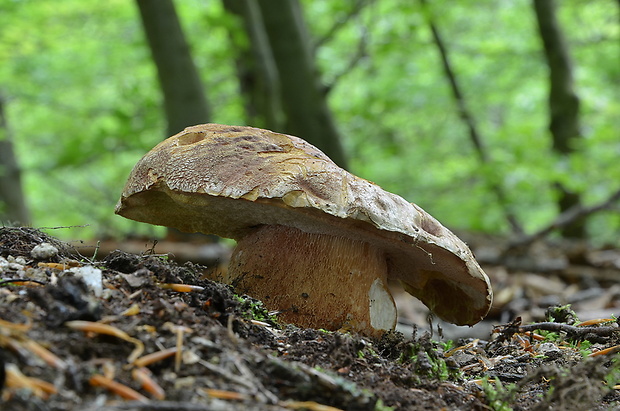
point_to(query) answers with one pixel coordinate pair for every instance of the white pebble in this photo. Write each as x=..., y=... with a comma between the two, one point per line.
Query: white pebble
x=16, y=260
x=93, y=277
x=547, y=347
x=44, y=251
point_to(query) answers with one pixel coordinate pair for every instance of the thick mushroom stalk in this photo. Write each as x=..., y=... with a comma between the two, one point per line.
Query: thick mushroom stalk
x=315, y=280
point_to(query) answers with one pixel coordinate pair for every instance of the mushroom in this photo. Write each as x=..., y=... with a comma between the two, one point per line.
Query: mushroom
x=314, y=242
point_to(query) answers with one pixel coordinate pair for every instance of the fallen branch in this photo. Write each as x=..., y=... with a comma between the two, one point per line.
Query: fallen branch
x=565, y=219
x=573, y=332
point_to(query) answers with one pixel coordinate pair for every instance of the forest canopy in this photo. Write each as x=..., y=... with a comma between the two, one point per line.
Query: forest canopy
x=456, y=106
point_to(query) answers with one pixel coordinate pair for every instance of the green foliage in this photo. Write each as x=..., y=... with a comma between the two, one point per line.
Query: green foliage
x=549, y=336
x=404, y=131
x=584, y=347
x=83, y=103
x=252, y=309
x=499, y=396
x=562, y=314
x=447, y=345
x=428, y=359
x=612, y=377
x=380, y=406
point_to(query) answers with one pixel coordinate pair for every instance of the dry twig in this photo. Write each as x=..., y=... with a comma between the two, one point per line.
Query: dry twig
x=574, y=332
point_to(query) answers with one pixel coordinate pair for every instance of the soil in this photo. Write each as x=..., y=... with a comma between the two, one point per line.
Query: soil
x=221, y=351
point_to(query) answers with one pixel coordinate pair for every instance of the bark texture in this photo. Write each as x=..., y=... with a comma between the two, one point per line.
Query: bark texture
x=256, y=68
x=303, y=96
x=563, y=102
x=184, y=99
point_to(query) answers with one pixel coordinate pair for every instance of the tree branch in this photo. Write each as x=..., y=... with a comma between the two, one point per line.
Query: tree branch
x=467, y=118
x=358, y=6
x=360, y=53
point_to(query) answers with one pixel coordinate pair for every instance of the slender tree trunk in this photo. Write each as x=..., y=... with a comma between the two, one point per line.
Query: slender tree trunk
x=185, y=103
x=12, y=204
x=184, y=99
x=303, y=98
x=468, y=119
x=563, y=102
x=256, y=68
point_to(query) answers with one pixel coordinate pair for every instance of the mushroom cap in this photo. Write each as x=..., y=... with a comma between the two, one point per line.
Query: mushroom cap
x=227, y=180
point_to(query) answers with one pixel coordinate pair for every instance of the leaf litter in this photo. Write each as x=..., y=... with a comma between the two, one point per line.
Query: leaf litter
x=160, y=336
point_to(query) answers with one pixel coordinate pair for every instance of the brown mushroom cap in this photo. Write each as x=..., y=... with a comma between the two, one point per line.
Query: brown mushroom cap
x=227, y=180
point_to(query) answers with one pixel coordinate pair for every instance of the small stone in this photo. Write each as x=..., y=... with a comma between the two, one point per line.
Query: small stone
x=44, y=251
x=14, y=264
x=190, y=357
x=137, y=279
x=16, y=260
x=546, y=348
x=93, y=277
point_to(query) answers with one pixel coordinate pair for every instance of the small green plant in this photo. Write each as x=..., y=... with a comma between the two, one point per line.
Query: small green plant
x=612, y=378
x=498, y=395
x=447, y=345
x=550, y=336
x=428, y=359
x=584, y=347
x=562, y=314
x=379, y=406
x=252, y=309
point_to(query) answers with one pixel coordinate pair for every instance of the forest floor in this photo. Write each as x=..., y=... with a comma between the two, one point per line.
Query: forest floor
x=133, y=339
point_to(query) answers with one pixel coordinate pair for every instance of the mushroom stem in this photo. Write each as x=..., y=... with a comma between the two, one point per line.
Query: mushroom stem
x=315, y=280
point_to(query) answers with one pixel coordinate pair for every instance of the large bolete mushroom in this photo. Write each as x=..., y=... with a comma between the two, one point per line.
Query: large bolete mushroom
x=313, y=241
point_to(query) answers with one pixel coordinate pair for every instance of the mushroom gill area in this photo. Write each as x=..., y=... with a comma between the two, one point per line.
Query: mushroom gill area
x=315, y=280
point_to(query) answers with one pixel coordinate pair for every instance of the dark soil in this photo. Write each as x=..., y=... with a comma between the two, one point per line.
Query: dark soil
x=232, y=355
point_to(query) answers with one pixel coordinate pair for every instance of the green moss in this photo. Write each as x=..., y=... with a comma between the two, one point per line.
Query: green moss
x=428, y=359
x=499, y=396
x=252, y=309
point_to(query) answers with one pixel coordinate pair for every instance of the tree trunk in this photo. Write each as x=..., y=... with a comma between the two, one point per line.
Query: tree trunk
x=184, y=99
x=303, y=98
x=12, y=204
x=185, y=102
x=563, y=102
x=256, y=68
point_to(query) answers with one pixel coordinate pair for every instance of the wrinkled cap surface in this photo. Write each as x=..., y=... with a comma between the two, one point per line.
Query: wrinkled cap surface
x=227, y=180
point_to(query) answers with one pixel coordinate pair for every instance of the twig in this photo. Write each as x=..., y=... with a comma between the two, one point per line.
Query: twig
x=572, y=331
x=360, y=53
x=357, y=9
x=247, y=373
x=164, y=406
x=247, y=379
x=64, y=226
x=228, y=375
x=20, y=280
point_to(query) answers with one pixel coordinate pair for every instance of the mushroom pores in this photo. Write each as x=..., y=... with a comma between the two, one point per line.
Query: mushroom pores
x=315, y=242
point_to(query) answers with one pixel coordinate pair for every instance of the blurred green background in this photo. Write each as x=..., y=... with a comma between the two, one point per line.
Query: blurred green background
x=82, y=103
